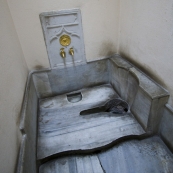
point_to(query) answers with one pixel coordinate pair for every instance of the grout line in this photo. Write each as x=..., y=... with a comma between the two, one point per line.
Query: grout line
x=101, y=164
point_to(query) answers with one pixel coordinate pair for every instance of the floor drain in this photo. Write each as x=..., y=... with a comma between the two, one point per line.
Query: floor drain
x=75, y=97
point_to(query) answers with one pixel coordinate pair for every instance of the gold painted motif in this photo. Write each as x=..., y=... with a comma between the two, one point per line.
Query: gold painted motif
x=65, y=40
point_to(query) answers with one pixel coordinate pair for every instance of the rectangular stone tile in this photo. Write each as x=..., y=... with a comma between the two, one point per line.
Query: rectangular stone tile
x=73, y=164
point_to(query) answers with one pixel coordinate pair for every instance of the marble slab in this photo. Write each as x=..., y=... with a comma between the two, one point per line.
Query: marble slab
x=27, y=161
x=73, y=164
x=63, y=80
x=145, y=156
x=62, y=129
x=145, y=97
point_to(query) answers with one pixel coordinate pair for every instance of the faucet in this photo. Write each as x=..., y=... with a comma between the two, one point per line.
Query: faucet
x=71, y=51
x=62, y=53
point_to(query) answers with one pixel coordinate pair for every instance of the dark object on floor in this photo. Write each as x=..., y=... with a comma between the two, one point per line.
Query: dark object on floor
x=116, y=106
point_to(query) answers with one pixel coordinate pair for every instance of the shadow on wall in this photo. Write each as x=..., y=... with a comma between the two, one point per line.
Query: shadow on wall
x=145, y=69
x=39, y=67
x=107, y=49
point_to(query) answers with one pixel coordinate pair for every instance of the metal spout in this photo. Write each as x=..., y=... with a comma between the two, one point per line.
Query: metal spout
x=71, y=51
x=62, y=53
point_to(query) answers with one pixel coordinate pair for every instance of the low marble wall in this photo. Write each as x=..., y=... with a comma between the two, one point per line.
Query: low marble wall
x=166, y=127
x=145, y=97
x=59, y=81
x=28, y=126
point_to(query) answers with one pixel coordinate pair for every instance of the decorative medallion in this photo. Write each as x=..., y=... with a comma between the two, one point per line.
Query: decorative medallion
x=65, y=40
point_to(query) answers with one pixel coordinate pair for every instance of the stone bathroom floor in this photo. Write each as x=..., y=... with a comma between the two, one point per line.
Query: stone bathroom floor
x=61, y=128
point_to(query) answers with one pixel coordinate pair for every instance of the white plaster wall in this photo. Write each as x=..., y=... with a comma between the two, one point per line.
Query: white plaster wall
x=100, y=20
x=13, y=72
x=146, y=37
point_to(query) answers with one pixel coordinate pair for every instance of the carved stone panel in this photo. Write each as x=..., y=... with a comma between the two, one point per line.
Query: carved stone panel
x=64, y=37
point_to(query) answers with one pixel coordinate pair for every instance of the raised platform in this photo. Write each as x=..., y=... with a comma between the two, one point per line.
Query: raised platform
x=62, y=129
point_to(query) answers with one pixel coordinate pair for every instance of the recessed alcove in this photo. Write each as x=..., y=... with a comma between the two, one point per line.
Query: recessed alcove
x=60, y=95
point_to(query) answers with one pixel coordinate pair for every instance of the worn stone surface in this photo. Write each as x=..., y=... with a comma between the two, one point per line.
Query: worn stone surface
x=31, y=131
x=62, y=80
x=119, y=77
x=141, y=107
x=59, y=119
x=148, y=111
x=78, y=77
x=21, y=157
x=145, y=156
x=97, y=95
x=42, y=84
x=120, y=62
x=156, y=113
x=114, y=76
x=166, y=128
x=27, y=157
x=122, y=81
x=73, y=164
x=118, y=71
x=132, y=88
x=62, y=129
x=145, y=97
x=150, y=87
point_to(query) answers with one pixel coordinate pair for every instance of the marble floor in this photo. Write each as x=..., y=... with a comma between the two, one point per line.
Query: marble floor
x=135, y=156
x=61, y=128
x=97, y=142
